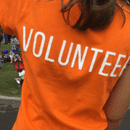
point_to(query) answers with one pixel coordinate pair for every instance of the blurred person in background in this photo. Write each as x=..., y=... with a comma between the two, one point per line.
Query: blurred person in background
x=1, y=35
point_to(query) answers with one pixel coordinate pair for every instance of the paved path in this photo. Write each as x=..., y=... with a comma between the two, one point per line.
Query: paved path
x=9, y=108
x=8, y=113
x=125, y=125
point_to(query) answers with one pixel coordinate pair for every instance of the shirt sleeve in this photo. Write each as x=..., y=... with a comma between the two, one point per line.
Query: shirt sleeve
x=1, y=12
x=6, y=15
x=128, y=63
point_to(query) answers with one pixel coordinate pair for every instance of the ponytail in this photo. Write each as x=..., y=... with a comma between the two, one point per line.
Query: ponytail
x=95, y=14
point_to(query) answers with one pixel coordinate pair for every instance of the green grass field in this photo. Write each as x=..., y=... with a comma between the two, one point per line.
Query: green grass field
x=8, y=85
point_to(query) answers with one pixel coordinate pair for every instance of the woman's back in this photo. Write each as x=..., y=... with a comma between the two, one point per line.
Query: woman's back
x=69, y=74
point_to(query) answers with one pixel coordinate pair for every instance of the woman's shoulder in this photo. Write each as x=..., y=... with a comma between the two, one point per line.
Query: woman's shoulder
x=123, y=14
x=125, y=5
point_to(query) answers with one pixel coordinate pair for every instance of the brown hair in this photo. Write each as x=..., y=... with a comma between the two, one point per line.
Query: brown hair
x=99, y=13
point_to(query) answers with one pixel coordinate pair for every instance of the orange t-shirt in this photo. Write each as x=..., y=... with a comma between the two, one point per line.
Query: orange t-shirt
x=68, y=74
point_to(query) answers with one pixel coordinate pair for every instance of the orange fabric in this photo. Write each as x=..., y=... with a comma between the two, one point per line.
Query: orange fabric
x=69, y=74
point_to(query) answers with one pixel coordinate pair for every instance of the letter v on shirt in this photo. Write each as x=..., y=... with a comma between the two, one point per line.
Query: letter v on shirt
x=77, y=53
